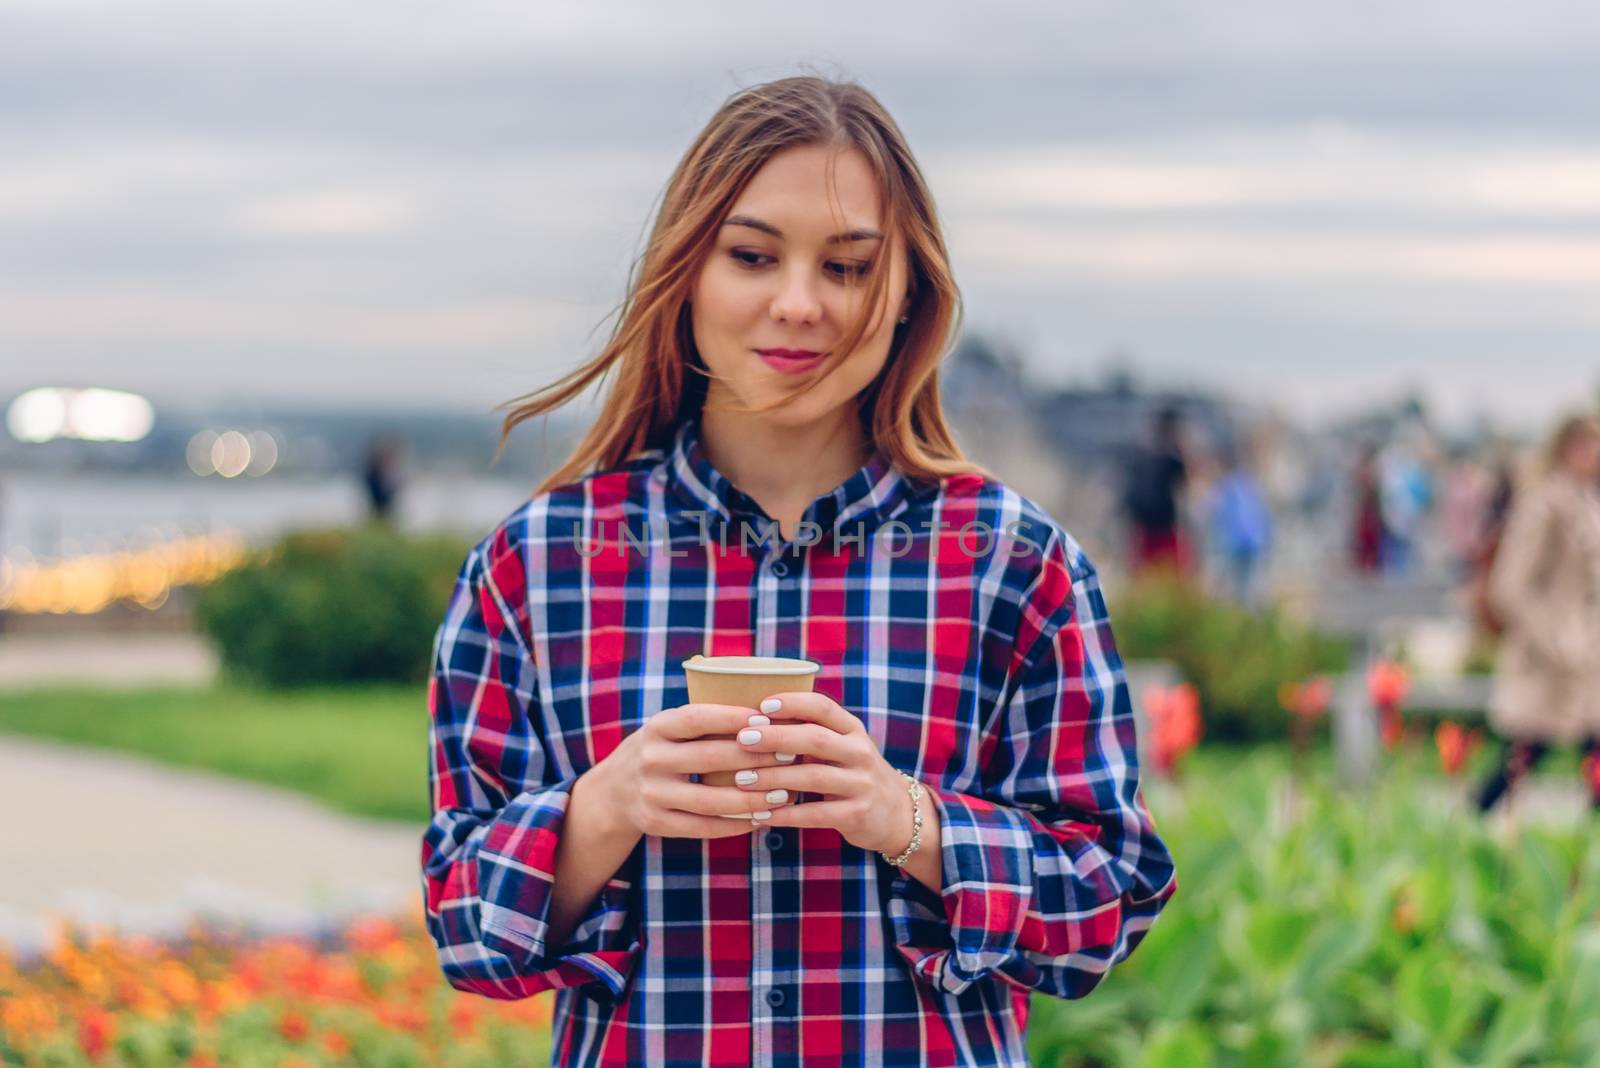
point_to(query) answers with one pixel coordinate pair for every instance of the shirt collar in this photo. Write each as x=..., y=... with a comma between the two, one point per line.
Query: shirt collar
x=875, y=492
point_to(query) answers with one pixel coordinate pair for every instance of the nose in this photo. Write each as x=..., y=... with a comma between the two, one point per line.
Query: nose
x=797, y=300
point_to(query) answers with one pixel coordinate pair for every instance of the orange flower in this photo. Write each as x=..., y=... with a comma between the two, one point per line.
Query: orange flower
x=336, y=1044
x=1404, y=916
x=26, y=1015
x=1175, y=724
x=1309, y=700
x=1455, y=745
x=464, y=1016
x=293, y=1025
x=402, y=1017
x=371, y=934
x=97, y=1029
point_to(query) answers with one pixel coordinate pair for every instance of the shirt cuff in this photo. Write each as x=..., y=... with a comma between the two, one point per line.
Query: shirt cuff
x=962, y=934
x=515, y=878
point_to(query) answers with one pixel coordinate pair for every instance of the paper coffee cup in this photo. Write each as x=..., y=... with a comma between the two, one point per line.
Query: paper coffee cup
x=746, y=681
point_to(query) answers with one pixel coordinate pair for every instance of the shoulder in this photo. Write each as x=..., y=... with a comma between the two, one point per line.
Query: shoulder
x=610, y=495
x=1023, y=530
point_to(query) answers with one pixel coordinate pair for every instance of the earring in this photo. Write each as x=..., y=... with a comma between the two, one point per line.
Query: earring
x=904, y=317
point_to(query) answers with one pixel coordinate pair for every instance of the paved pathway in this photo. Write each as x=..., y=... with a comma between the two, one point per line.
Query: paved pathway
x=115, y=840
x=104, y=660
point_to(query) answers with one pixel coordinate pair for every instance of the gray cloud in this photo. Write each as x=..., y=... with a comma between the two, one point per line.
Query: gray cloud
x=421, y=202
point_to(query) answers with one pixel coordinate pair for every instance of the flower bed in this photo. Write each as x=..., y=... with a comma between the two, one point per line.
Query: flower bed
x=371, y=996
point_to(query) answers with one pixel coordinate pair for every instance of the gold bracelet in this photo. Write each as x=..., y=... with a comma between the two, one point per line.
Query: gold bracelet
x=915, y=789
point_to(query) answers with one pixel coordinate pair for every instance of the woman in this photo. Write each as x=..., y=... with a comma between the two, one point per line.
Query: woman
x=972, y=826
x=1544, y=587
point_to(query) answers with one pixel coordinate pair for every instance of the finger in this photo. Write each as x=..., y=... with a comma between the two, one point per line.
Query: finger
x=812, y=814
x=674, y=824
x=813, y=707
x=706, y=800
x=812, y=778
x=713, y=754
x=809, y=739
x=700, y=720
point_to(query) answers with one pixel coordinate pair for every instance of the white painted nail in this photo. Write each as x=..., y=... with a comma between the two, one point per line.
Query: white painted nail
x=760, y=721
x=786, y=758
x=777, y=797
x=745, y=778
x=771, y=704
x=762, y=815
x=748, y=737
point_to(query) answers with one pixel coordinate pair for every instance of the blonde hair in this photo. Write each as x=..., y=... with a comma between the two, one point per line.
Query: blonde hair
x=660, y=379
x=1566, y=432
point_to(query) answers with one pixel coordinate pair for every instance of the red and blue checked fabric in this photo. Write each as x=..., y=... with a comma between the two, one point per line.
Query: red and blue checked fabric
x=964, y=627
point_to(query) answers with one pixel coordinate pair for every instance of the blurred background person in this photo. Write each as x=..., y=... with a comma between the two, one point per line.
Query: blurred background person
x=1468, y=484
x=1405, y=492
x=1366, y=536
x=381, y=477
x=1545, y=587
x=1238, y=528
x=1152, y=499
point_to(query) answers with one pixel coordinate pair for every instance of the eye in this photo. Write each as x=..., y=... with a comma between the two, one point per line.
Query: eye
x=850, y=270
x=739, y=255
x=841, y=270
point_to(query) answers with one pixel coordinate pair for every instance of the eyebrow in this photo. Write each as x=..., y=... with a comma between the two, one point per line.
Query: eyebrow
x=767, y=228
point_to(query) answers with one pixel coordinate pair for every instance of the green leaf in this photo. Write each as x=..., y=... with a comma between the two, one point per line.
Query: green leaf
x=1378, y=1055
x=1177, y=1046
x=1518, y=1029
x=1176, y=965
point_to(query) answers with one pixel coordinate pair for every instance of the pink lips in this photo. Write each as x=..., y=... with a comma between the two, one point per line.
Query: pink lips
x=790, y=361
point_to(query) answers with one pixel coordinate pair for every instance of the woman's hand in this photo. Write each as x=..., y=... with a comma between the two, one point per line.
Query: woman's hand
x=645, y=779
x=865, y=799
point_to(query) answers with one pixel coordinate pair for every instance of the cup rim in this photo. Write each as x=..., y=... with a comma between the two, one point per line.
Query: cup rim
x=769, y=665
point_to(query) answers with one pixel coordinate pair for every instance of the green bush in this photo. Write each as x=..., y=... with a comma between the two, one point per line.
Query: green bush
x=1316, y=928
x=1237, y=659
x=342, y=605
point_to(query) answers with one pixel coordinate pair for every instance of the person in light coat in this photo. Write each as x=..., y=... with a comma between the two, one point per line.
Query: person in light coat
x=1544, y=584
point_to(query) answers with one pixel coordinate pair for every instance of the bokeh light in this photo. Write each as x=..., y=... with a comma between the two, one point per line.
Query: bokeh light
x=51, y=412
x=230, y=453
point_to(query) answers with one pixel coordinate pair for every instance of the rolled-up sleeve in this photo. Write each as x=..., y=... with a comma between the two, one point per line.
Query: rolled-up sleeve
x=488, y=854
x=1053, y=871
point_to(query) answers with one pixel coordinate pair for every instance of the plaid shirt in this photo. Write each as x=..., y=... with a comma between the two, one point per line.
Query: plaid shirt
x=986, y=671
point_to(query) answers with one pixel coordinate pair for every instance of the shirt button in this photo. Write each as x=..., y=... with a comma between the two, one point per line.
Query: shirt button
x=780, y=568
x=774, y=840
x=774, y=997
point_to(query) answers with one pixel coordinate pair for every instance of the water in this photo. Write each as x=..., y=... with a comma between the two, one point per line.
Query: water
x=51, y=515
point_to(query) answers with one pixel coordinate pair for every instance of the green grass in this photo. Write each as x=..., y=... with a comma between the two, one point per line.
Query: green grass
x=363, y=749
x=360, y=749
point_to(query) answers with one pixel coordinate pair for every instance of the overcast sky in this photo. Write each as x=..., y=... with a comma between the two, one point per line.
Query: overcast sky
x=435, y=204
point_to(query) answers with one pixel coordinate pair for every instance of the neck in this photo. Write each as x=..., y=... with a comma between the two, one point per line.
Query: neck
x=784, y=468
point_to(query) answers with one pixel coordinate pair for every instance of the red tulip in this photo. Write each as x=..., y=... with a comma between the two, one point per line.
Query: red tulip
x=1387, y=683
x=1308, y=700
x=1175, y=723
x=1455, y=745
x=1591, y=773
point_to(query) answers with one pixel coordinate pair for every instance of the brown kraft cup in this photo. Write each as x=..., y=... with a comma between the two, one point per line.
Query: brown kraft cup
x=744, y=681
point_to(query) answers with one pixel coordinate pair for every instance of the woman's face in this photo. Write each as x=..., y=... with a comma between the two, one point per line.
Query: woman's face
x=783, y=274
